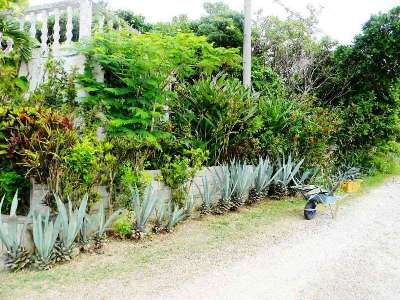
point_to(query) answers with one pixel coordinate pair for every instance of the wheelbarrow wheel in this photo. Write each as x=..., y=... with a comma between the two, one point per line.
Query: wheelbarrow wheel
x=310, y=210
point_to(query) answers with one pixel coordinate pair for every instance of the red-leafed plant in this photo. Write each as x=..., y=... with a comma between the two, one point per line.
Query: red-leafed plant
x=32, y=138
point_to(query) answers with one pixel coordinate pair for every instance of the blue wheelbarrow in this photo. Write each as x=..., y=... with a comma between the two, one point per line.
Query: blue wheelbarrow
x=315, y=195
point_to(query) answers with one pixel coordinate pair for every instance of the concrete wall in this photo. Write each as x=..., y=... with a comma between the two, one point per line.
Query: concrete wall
x=39, y=191
x=195, y=186
x=23, y=224
x=160, y=190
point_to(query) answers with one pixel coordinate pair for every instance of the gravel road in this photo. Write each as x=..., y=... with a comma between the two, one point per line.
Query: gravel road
x=355, y=256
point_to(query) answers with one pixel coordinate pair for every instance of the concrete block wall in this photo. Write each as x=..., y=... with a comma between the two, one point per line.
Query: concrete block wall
x=195, y=185
x=38, y=192
x=23, y=223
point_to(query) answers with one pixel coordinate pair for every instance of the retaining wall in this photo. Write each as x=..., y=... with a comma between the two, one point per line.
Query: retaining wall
x=160, y=190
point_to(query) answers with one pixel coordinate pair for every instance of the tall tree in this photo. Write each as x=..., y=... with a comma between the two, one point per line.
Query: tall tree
x=221, y=25
x=292, y=47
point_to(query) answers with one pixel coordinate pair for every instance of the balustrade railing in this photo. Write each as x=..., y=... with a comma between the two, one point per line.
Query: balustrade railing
x=38, y=18
x=55, y=26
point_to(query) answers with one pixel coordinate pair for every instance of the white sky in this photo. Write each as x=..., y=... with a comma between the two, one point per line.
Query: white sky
x=341, y=19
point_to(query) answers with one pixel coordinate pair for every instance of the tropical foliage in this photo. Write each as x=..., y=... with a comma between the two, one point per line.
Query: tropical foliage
x=170, y=98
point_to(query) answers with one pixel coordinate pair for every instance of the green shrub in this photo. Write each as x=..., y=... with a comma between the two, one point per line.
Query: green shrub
x=178, y=171
x=301, y=128
x=82, y=167
x=10, y=181
x=386, y=160
x=129, y=177
x=59, y=91
x=219, y=115
x=140, y=71
x=122, y=227
x=365, y=87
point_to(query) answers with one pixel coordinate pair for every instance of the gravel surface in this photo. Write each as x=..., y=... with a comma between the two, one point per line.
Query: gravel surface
x=355, y=256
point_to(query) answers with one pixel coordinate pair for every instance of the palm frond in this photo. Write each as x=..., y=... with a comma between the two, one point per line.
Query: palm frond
x=22, y=43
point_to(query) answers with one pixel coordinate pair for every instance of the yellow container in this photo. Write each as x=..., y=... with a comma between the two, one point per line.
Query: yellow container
x=351, y=186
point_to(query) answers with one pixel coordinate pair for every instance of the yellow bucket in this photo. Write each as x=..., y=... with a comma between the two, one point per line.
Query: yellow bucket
x=351, y=186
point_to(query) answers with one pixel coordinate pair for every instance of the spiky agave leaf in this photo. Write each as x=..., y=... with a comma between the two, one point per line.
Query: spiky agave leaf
x=189, y=205
x=16, y=257
x=8, y=235
x=88, y=229
x=45, y=232
x=242, y=176
x=288, y=169
x=95, y=226
x=160, y=217
x=226, y=188
x=207, y=196
x=143, y=210
x=175, y=216
x=263, y=177
x=71, y=224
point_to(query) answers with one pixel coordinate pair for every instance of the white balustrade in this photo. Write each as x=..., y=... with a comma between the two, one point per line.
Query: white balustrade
x=56, y=30
x=69, y=25
x=38, y=18
x=44, y=31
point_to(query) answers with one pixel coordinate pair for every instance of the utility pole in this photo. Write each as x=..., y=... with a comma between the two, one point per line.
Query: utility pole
x=247, y=44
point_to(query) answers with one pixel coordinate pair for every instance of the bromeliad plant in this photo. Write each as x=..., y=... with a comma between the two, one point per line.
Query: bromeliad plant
x=143, y=210
x=45, y=232
x=285, y=177
x=16, y=258
x=263, y=177
x=71, y=224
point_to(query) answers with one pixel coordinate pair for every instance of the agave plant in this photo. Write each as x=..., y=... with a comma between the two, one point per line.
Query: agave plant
x=160, y=217
x=226, y=188
x=71, y=224
x=143, y=210
x=288, y=169
x=16, y=258
x=189, y=205
x=207, y=196
x=263, y=177
x=175, y=215
x=45, y=232
x=94, y=227
x=301, y=178
x=242, y=177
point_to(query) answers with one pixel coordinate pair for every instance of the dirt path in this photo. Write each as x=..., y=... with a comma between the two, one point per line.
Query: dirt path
x=356, y=256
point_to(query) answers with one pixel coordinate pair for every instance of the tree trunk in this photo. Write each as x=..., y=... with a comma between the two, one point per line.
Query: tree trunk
x=247, y=44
